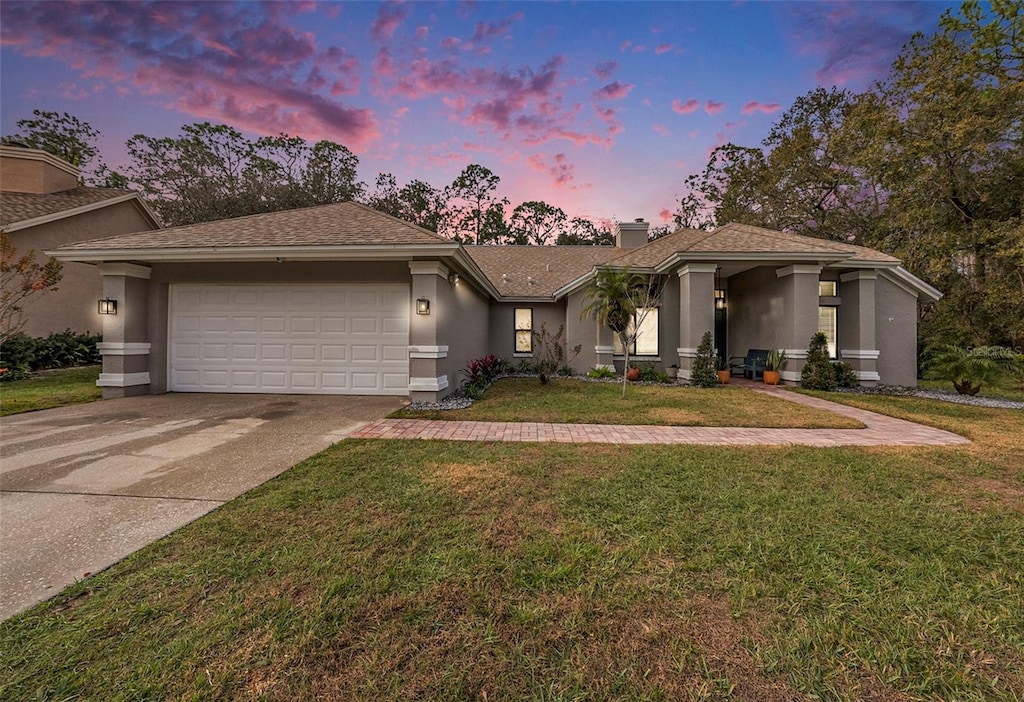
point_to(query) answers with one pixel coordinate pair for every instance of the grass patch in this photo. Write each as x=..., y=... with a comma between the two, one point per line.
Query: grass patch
x=386, y=570
x=575, y=401
x=54, y=388
x=1011, y=389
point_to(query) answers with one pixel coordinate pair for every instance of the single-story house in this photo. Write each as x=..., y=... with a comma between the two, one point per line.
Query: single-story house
x=344, y=299
x=42, y=206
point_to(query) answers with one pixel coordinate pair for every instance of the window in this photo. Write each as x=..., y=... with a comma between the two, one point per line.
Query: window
x=826, y=288
x=827, y=318
x=646, y=343
x=524, y=330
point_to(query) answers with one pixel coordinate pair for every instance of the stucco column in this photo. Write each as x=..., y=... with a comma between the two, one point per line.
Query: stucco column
x=800, y=314
x=125, y=346
x=857, y=344
x=427, y=380
x=696, y=310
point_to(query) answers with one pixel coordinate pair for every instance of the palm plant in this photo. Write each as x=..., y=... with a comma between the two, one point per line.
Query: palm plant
x=620, y=300
x=970, y=369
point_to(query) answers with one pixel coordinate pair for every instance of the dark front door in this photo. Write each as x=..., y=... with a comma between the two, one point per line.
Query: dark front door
x=721, y=331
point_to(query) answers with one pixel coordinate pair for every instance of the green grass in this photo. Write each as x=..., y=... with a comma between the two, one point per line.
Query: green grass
x=575, y=401
x=386, y=570
x=54, y=388
x=1011, y=389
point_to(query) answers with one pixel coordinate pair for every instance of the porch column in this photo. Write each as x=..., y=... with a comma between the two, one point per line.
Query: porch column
x=696, y=311
x=427, y=379
x=125, y=346
x=800, y=314
x=604, y=348
x=857, y=324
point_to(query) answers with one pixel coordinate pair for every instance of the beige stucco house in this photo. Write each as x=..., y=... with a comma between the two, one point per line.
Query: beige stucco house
x=42, y=206
x=344, y=299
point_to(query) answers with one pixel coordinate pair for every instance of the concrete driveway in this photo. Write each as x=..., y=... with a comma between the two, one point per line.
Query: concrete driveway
x=82, y=487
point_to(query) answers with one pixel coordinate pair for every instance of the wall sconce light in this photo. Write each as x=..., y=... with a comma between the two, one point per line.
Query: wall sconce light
x=422, y=306
x=719, y=299
x=454, y=279
x=107, y=306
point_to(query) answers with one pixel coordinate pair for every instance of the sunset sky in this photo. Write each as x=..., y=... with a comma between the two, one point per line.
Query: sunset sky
x=601, y=108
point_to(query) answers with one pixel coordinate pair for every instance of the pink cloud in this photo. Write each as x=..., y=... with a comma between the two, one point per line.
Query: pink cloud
x=450, y=42
x=685, y=108
x=713, y=108
x=765, y=107
x=561, y=171
x=422, y=31
x=666, y=215
x=401, y=112
x=243, y=64
x=389, y=17
x=605, y=70
x=662, y=130
x=613, y=91
x=662, y=49
x=491, y=30
x=625, y=45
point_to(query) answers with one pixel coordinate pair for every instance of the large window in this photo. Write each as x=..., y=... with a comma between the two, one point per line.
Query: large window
x=646, y=343
x=828, y=323
x=524, y=330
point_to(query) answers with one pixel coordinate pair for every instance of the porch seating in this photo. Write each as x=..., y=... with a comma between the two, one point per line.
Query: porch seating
x=753, y=364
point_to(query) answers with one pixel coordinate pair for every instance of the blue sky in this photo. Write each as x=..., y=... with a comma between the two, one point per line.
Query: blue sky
x=601, y=108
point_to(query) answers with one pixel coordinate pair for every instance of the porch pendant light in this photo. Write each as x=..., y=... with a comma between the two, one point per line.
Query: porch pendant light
x=719, y=290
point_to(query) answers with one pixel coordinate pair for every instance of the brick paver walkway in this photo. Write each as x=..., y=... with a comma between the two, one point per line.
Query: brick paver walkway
x=880, y=431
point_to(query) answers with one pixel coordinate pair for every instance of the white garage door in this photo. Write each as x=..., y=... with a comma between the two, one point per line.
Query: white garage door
x=301, y=339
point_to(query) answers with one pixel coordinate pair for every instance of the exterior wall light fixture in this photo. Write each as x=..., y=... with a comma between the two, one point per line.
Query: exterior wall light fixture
x=719, y=299
x=107, y=306
x=422, y=306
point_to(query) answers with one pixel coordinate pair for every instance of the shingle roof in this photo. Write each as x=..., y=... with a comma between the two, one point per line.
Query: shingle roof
x=537, y=271
x=653, y=253
x=18, y=207
x=340, y=224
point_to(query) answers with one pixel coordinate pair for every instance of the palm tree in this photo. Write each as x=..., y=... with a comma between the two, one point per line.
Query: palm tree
x=619, y=299
x=969, y=369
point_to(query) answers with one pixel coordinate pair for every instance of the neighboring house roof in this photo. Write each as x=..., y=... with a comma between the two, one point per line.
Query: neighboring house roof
x=339, y=224
x=537, y=271
x=24, y=210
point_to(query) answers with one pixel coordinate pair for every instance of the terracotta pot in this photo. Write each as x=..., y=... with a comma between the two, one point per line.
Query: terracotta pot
x=723, y=377
x=772, y=377
x=633, y=374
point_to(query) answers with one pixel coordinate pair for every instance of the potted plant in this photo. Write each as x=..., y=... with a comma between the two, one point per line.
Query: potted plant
x=722, y=368
x=633, y=374
x=773, y=366
x=672, y=371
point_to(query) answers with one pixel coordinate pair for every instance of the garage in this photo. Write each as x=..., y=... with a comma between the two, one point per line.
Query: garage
x=288, y=338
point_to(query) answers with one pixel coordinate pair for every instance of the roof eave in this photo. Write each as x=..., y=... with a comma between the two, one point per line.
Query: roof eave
x=903, y=278
x=256, y=253
x=83, y=209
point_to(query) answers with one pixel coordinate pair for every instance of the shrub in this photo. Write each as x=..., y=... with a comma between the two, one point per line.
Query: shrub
x=970, y=369
x=481, y=372
x=703, y=374
x=553, y=355
x=22, y=354
x=601, y=373
x=818, y=373
x=845, y=375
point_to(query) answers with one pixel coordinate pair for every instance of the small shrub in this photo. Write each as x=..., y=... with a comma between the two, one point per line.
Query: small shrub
x=525, y=367
x=602, y=373
x=22, y=354
x=552, y=352
x=481, y=372
x=650, y=374
x=845, y=375
x=818, y=373
x=703, y=374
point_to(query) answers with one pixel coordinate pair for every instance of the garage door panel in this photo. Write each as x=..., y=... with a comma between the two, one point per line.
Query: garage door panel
x=290, y=338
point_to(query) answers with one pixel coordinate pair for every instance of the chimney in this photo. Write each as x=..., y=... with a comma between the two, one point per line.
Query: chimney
x=24, y=170
x=631, y=235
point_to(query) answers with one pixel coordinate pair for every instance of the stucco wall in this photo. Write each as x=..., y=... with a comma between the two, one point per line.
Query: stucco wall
x=895, y=334
x=501, y=340
x=463, y=325
x=73, y=304
x=757, y=316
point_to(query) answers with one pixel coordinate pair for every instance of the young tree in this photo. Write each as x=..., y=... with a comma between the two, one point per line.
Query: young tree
x=23, y=279
x=818, y=372
x=621, y=300
x=704, y=374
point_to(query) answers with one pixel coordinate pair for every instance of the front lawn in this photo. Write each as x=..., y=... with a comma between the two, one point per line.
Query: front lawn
x=388, y=570
x=576, y=401
x=53, y=388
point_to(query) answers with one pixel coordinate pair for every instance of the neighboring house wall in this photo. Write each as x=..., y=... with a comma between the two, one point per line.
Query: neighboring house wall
x=896, y=333
x=73, y=304
x=164, y=274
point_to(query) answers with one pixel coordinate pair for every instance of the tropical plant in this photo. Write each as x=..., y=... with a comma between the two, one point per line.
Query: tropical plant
x=704, y=374
x=721, y=363
x=621, y=299
x=775, y=359
x=970, y=369
x=818, y=373
x=601, y=373
x=846, y=377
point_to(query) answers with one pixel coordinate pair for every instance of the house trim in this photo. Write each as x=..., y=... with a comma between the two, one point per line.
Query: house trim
x=428, y=384
x=863, y=354
x=128, y=270
x=117, y=348
x=428, y=351
x=122, y=380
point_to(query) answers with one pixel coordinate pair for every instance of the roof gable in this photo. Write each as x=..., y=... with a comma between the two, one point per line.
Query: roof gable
x=22, y=210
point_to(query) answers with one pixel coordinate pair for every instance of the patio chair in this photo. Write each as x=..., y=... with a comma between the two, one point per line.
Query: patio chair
x=752, y=365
